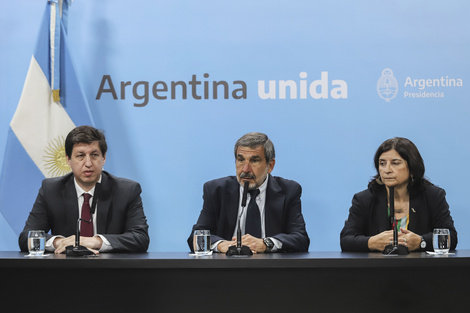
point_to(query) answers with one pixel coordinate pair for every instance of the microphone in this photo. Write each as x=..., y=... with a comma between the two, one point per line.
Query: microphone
x=96, y=195
x=394, y=248
x=239, y=230
x=239, y=250
x=245, y=193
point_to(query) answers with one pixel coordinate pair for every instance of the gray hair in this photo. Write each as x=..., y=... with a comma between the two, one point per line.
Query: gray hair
x=253, y=140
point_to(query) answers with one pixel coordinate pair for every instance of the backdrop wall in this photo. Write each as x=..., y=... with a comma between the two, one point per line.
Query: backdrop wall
x=328, y=81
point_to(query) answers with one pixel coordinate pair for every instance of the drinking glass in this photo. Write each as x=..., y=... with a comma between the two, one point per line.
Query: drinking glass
x=36, y=242
x=202, y=242
x=441, y=240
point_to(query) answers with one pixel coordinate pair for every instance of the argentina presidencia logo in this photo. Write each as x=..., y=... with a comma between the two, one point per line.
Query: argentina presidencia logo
x=54, y=158
x=387, y=85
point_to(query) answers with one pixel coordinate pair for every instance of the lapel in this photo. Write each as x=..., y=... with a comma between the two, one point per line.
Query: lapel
x=104, y=203
x=381, y=211
x=232, y=200
x=273, y=207
x=69, y=197
x=415, y=204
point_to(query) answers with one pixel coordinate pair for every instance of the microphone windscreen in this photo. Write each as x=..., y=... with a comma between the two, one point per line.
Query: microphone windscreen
x=245, y=193
x=96, y=195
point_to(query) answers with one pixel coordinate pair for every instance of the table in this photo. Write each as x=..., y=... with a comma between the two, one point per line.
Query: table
x=297, y=282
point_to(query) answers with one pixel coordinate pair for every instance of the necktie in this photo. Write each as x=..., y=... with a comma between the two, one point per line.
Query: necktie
x=253, y=218
x=86, y=229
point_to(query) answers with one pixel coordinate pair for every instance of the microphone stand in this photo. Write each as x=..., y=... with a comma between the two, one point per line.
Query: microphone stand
x=239, y=250
x=77, y=249
x=394, y=248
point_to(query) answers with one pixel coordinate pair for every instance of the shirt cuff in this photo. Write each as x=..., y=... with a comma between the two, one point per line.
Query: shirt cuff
x=277, y=244
x=214, y=245
x=106, y=246
x=50, y=243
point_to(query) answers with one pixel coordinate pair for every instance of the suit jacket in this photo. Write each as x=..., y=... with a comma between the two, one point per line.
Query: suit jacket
x=283, y=214
x=368, y=216
x=120, y=214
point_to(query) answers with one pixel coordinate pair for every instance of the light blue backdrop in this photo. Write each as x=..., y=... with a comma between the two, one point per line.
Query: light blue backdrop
x=173, y=146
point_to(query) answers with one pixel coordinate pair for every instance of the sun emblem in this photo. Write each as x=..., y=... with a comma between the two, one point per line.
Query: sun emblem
x=54, y=158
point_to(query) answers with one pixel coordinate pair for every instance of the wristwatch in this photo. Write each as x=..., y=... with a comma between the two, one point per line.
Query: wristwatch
x=269, y=244
x=423, y=243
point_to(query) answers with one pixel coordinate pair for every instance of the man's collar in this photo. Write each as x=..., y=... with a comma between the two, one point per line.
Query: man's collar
x=80, y=191
x=264, y=185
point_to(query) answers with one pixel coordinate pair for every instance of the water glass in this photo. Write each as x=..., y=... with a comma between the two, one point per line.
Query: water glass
x=202, y=242
x=441, y=240
x=36, y=242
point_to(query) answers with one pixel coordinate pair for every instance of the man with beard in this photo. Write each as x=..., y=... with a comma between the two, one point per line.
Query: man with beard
x=271, y=222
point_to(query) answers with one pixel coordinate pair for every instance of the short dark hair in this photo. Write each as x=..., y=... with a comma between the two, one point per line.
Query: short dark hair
x=85, y=134
x=410, y=153
x=255, y=139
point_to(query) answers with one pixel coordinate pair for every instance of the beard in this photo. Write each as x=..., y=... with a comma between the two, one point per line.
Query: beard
x=255, y=185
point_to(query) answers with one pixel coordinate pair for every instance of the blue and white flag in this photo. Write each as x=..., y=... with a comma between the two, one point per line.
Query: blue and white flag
x=51, y=104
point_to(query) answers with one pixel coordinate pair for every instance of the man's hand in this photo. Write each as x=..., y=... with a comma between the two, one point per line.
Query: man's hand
x=92, y=243
x=255, y=244
x=224, y=245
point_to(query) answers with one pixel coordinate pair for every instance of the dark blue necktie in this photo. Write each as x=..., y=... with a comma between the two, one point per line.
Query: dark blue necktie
x=253, y=218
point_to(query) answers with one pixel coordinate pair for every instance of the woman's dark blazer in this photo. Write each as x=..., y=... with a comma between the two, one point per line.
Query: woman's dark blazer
x=368, y=217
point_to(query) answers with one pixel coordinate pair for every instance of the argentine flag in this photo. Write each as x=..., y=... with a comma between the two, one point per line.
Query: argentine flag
x=52, y=103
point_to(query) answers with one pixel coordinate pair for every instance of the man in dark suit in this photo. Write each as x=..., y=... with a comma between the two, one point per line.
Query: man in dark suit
x=278, y=222
x=113, y=204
